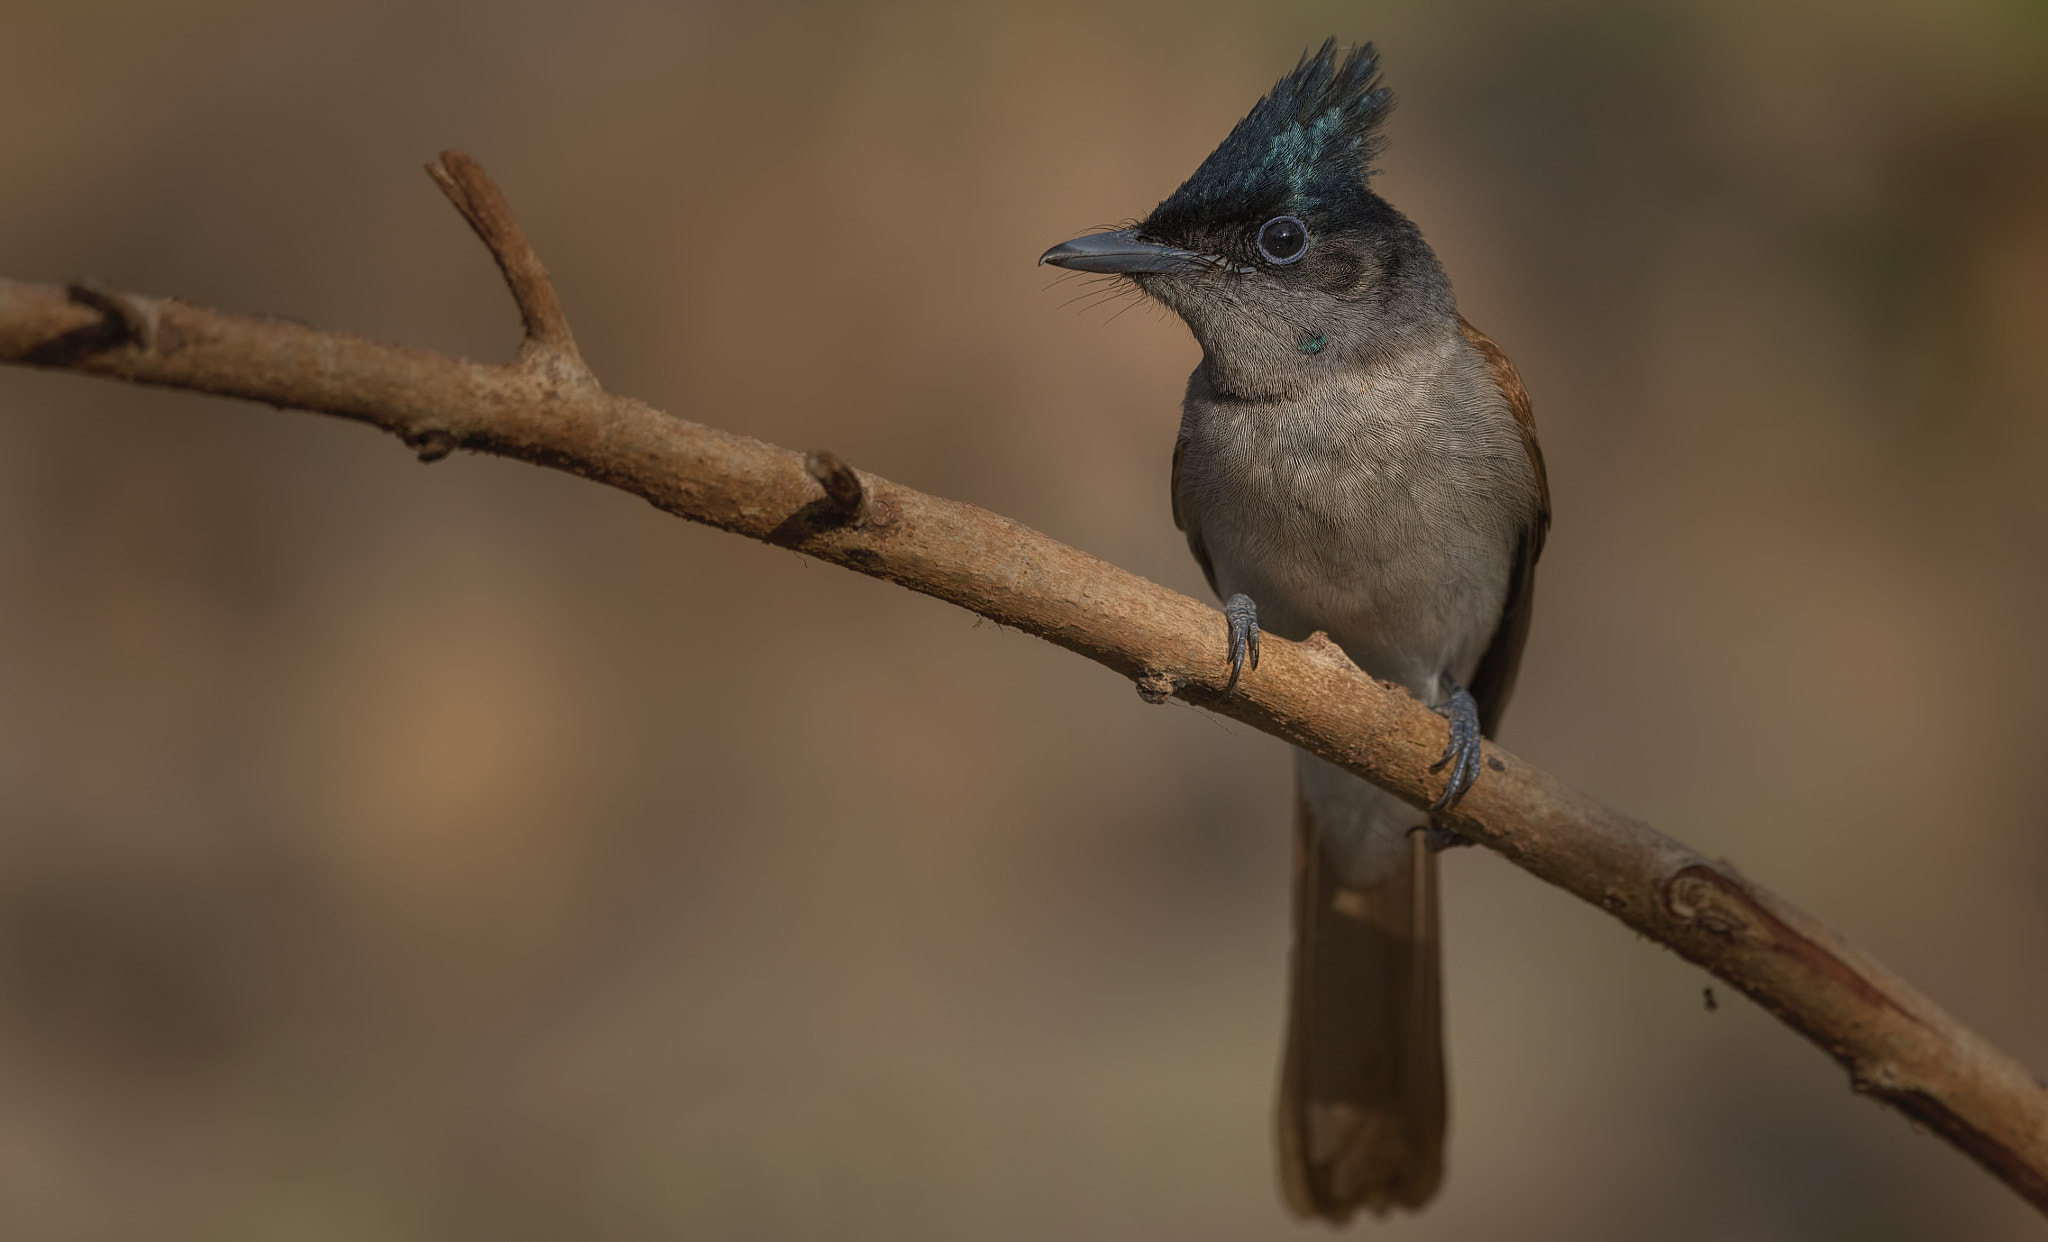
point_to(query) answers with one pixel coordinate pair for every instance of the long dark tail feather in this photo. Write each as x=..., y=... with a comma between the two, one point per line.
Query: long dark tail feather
x=1362, y=1108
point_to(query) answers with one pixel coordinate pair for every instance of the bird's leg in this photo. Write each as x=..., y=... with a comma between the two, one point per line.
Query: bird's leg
x=1461, y=753
x=1243, y=616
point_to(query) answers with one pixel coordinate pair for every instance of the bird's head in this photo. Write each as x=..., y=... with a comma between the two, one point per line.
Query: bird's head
x=1277, y=253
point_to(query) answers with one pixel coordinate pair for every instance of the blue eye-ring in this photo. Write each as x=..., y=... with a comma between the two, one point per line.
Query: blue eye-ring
x=1283, y=239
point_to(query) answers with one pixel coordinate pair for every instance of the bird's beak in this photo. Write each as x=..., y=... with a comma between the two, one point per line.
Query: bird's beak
x=1121, y=251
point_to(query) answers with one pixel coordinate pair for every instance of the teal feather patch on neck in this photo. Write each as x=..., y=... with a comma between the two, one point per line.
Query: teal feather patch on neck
x=1313, y=344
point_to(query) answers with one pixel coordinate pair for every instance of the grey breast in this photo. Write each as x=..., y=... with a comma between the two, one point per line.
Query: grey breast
x=1381, y=507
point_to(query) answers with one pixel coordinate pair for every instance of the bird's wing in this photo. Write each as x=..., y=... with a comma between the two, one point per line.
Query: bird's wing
x=1495, y=680
x=1180, y=518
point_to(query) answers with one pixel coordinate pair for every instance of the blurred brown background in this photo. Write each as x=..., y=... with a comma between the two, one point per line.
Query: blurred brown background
x=470, y=852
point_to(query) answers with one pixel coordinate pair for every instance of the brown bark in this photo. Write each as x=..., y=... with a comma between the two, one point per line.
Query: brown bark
x=545, y=407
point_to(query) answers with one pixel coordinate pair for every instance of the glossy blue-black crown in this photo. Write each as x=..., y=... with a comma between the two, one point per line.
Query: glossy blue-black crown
x=1305, y=149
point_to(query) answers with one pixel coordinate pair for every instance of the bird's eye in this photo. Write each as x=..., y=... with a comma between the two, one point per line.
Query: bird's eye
x=1283, y=239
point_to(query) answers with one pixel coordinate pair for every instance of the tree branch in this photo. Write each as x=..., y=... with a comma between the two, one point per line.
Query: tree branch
x=476, y=196
x=547, y=409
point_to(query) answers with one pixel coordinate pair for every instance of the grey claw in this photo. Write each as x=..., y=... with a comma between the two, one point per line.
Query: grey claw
x=1461, y=752
x=1243, y=616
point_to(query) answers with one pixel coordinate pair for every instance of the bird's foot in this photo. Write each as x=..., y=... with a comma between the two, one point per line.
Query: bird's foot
x=1461, y=753
x=1243, y=616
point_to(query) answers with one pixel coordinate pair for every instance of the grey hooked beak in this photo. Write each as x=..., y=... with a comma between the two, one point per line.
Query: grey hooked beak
x=1121, y=251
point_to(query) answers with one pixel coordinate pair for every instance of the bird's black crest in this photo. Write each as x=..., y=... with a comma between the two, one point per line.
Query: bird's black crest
x=1308, y=144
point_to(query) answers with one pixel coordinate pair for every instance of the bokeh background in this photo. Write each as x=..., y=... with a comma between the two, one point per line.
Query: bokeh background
x=406, y=852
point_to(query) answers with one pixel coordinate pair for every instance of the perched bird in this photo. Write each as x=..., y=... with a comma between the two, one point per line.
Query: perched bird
x=1353, y=458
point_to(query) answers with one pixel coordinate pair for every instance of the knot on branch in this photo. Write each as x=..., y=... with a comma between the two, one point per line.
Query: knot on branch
x=130, y=320
x=844, y=491
x=1701, y=898
x=431, y=443
x=1722, y=905
x=1156, y=687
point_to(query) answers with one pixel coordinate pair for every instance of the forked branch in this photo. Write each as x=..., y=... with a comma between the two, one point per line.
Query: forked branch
x=545, y=408
x=476, y=196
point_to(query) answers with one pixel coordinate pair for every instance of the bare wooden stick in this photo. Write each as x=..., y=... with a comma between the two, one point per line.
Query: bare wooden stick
x=476, y=196
x=1896, y=1044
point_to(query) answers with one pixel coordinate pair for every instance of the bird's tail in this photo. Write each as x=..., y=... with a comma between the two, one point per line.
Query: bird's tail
x=1362, y=1108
